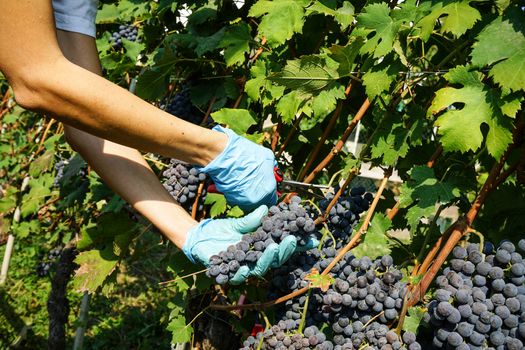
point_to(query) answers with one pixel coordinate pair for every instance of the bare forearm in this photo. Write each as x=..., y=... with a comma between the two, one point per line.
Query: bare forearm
x=43, y=79
x=124, y=170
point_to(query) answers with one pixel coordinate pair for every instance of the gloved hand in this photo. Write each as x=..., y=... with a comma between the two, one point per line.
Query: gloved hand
x=244, y=172
x=211, y=236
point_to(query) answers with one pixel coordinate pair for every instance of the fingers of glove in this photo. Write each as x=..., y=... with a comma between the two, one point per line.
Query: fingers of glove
x=286, y=249
x=270, y=255
x=251, y=221
x=310, y=244
x=241, y=275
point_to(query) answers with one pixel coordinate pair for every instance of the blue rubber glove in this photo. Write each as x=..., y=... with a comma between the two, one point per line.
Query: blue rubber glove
x=211, y=236
x=244, y=172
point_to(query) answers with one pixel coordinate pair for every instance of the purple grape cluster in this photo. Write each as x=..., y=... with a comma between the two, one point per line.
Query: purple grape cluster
x=125, y=31
x=282, y=220
x=364, y=300
x=480, y=300
x=182, y=181
x=180, y=106
x=279, y=337
x=44, y=266
x=344, y=215
x=61, y=168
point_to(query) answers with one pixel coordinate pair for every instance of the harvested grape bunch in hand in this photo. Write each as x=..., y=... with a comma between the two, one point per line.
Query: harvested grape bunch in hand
x=182, y=181
x=480, y=302
x=283, y=222
x=125, y=31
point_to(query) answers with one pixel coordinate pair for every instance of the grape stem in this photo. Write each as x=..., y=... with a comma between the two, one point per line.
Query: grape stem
x=196, y=201
x=339, y=145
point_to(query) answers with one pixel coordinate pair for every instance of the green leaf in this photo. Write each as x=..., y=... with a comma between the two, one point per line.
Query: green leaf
x=288, y=106
x=235, y=42
x=319, y=281
x=502, y=44
x=133, y=49
x=180, y=331
x=282, y=18
x=376, y=82
x=390, y=143
x=109, y=13
x=425, y=190
x=344, y=15
x=217, y=202
x=376, y=19
x=309, y=74
x=375, y=241
x=40, y=188
x=95, y=266
x=152, y=84
x=235, y=212
x=325, y=102
x=26, y=228
x=413, y=319
x=460, y=127
x=261, y=89
x=239, y=120
x=455, y=16
x=41, y=164
x=346, y=55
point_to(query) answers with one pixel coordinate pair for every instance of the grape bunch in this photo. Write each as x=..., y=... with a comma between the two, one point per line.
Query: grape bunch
x=365, y=298
x=345, y=213
x=59, y=167
x=125, y=31
x=182, y=181
x=44, y=266
x=480, y=300
x=282, y=220
x=279, y=337
x=180, y=106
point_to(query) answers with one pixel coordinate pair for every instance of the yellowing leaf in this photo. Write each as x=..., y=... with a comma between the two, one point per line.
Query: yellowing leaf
x=319, y=281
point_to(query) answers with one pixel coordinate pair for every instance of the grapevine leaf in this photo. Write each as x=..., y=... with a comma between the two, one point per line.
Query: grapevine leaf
x=26, y=228
x=425, y=191
x=413, y=319
x=456, y=17
x=235, y=212
x=133, y=49
x=511, y=104
x=239, y=120
x=344, y=15
x=325, y=102
x=376, y=19
x=502, y=44
x=236, y=43
x=390, y=143
x=319, y=281
x=217, y=202
x=95, y=266
x=376, y=82
x=375, y=241
x=7, y=204
x=109, y=13
x=460, y=127
x=346, y=55
x=180, y=331
x=288, y=106
x=260, y=88
x=152, y=83
x=41, y=164
x=40, y=188
x=282, y=18
x=308, y=75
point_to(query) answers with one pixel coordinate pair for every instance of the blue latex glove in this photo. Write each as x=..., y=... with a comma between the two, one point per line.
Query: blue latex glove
x=244, y=172
x=210, y=237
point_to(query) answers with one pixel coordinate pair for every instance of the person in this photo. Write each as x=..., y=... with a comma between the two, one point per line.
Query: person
x=48, y=55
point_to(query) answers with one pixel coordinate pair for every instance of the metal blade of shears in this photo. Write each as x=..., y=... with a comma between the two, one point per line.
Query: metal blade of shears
x=301, y=187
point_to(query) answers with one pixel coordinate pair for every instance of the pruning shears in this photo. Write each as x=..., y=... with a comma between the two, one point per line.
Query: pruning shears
x=286, y=185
